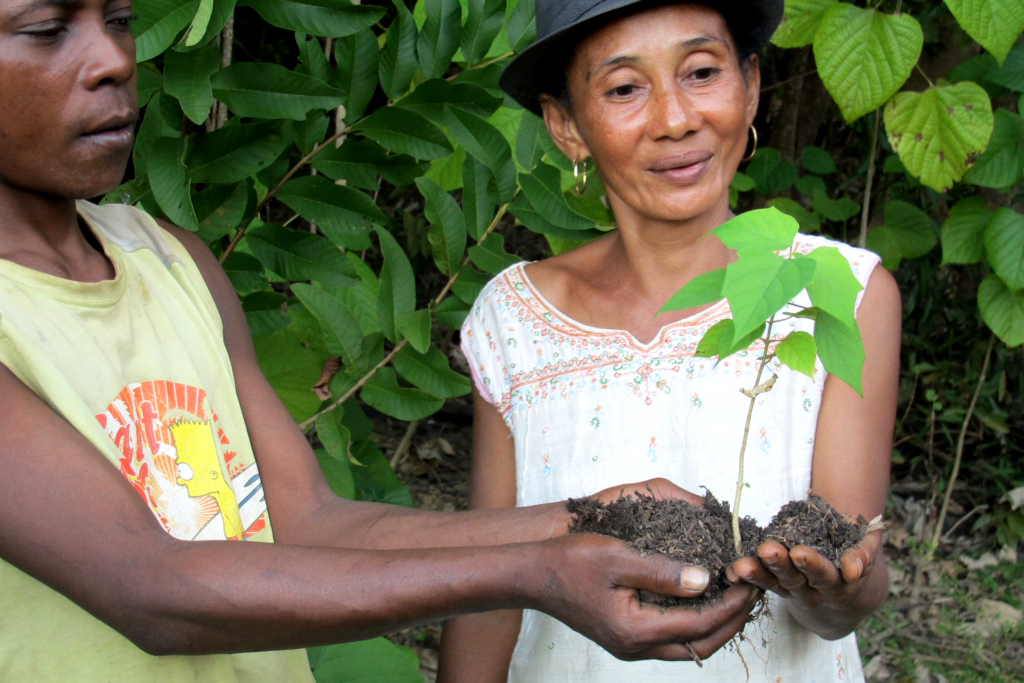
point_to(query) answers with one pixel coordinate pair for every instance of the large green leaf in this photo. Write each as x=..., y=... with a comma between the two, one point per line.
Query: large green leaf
x=522, y=28
x=264, y=313
x=398, y=56
x=358, y=57
x=490, y=255
x=361, y=162
x=327, y=18
x=270, y=91
x=159, y=23
x=529, y=149
x=337, y=440
x=447, y=233
x=405, y=132
x=486, y=143
x=1004, y=246
x=415, y=326
x=439, y=38
x=200, y=22
x=314, y=61
x=298, y=255
x=169, y=182
x=220, y=209
x=809, y=221
x=543, y=188
x=479, y=197
x=800, y=21
x=338, y=473
x=245, y=272
x=996, y=24
x=1002, y=164
x=937, y=132
x=817, y=160
x=963, y=233
x=214, y=15
x=431, y=372
x=483, y=24
x=701, y=290
x=1011, y=73
x=759, y=285
x=914, y=230
x=292, y=359
x=838, y=210
x=397, y=293
x=383, y=393
x=366, y=661
x=342, y=212
x=835, y=287
x=884, y=241
x=430, y=97
x=234, y=153
x=865, y=56
x=537, y=221
x=798, y=352
x=770, y=172
x=840, y=349
x=763, y=229
x=187, y=77
x=341, y=330
x=718, y=340
x=1002, y=309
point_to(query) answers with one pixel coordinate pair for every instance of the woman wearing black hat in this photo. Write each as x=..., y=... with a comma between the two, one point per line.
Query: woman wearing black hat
x=569, y=358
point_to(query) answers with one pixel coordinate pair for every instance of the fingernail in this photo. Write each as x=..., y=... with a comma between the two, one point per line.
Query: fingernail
x=694, y=578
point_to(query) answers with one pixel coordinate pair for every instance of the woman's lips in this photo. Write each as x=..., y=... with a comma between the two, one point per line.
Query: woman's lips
x=683, y=169
x=114, y=138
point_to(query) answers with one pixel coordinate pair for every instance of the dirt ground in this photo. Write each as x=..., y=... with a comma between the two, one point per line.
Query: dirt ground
x=957, y=618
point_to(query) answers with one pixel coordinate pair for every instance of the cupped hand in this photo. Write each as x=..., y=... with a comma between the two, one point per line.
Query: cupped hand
x=593, y=586
x=660, y=488
x=804, y=575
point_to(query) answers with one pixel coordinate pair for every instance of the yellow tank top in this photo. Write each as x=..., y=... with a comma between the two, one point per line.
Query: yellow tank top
x=157, y=397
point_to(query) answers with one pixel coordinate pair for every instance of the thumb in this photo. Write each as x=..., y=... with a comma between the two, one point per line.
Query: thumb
x=660, y=574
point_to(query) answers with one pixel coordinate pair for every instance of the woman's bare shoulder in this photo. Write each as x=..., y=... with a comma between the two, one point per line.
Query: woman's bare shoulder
x=556, y=277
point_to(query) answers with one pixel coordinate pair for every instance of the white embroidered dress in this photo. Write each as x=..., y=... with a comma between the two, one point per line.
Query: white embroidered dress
x=590, y=408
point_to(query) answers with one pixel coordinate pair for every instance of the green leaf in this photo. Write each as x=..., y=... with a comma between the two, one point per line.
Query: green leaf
x=298, y=255
x=149, y=81
x=717, y=341
x=976, y=69
x=490, y=255
x=447, y=233
x=740, y=182
x=479, y=197
x=759, y=285
x=522, y=30
x=336, y=438
x=529, y=149
x=199, y=24
x=469, y=284
x=234, y=153
x=701, y=290
x=366, y=661
x=835, y=287
x=361, y=162
x=1004, y=246
x=798, y=352
x=937, y=132
x=159, y=23
x=358, y=58
x=170, y=185
x=995, y=24
x=963, y=233
x=838, y=210
x=220, y=209
x=800, y=21
x=415, y=326
x=220, y=12
x=405, y=132
x=376, y=482
x=536, y=221
x=264, y=311
x=864, y=56
x=187, y=77
x=483, y=24
x=840, y=349
x=808, y=184
x=452, y=312
x=341, y=330
x=1011, y=73
x=327, y=18
x=270, y=91
x=817, y=160
x=809, y=222
x=770, y=172
x=439, y=38
x=342, y=212
x=885, y=242
x=1002, y=309
x=245, y=272
x=483, y=141
x=397, y=294
x=914, y=230
x=543, y=188
x=398, y=56
x=312, y=58
x=764, y=229
x=431, y=372
x=430, y=97
x=1002, y=164
x=383, y=393
x=292, y=359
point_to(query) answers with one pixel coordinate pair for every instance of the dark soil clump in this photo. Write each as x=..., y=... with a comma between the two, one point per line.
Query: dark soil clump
x=815, y=524
x=692, y=535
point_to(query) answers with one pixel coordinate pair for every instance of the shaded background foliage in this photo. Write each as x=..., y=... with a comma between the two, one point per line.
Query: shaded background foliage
x=361, y=177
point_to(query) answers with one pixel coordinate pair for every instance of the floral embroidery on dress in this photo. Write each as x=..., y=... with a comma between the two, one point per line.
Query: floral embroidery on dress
x=652, y=449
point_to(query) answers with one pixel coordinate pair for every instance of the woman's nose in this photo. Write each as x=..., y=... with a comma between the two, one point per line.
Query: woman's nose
x=673, y=115
x=109, y=58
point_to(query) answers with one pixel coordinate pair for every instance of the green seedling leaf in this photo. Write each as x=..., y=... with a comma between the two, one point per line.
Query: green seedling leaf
x=341, y=330
x=343, y=213
x=763, y=229
x=840, y=349
x=415, y=326
x=938, y=132
x=1002, y=164
x=234, y=153
x=169, y=182
x=326, y=18
x=296, y=255
x=759, y=285
x=701, y=290
x=817, y=160
x=397, y=293
x=717, y=340
x=809, y=222
x=770, y=172
x=484, y=142
x=798, y=352
x=1002, y=309
x=383, y=393
x=431, y=372
x=1004, y=246
x=264, y=311
x=544, y=190
x=187, y=77
x=447, y=233
x=914, y=230
x=490, y=255
x=405, y=132
x=358, y=58
x=995, y=24
x=159, y=23
x=800, y=22
x=963, y=233
x=864, y=57
x=479, y=197
x=439, y=38
x=835, y=287
x=430, y=97
x=398, y=56
x=270, y=91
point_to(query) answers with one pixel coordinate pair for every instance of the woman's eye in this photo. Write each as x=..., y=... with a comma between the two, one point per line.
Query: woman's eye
x=621, y=91
x=124, y=22
x=45, y=31
x=705, y=74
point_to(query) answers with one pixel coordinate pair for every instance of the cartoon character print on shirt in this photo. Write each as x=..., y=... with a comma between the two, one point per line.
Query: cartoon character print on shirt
x=178, y=458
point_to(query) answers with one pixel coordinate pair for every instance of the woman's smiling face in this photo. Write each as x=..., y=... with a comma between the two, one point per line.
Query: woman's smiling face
x=663, y=106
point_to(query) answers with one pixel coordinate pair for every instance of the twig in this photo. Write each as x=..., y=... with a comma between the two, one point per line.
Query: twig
x=937, y=533
x=227, y=44
x=403, y=446
x=978, y=508
x=773, y=86
x=866, y=210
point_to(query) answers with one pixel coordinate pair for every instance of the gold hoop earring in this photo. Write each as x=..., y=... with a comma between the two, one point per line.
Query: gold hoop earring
x=579, y=177
x=753, y=151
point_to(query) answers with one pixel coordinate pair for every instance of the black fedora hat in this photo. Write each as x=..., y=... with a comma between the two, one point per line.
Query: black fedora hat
x=538, y=68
